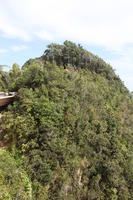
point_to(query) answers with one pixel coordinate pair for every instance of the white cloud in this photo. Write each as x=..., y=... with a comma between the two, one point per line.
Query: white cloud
x=3, y=51
x=8, y=26
x=98, y=22
x=44, y=35
x=19, y=48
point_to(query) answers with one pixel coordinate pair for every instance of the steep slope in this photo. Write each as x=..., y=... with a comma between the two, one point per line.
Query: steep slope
x=71, y=126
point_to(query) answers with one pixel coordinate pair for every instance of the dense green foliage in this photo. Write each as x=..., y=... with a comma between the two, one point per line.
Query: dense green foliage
x=14, y=183
x=77, y=57
x=71, y=126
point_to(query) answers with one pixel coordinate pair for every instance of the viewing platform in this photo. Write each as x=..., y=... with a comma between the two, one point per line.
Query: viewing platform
x=6, y=98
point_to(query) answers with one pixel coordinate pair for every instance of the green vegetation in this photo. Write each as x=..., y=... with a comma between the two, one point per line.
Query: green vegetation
x=69, y=133
x=14, y=183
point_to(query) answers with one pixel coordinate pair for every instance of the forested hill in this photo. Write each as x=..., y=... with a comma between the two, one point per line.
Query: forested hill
x=69, y=133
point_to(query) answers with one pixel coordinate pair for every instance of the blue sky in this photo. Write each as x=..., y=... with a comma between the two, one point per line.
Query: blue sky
x=103, y=27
